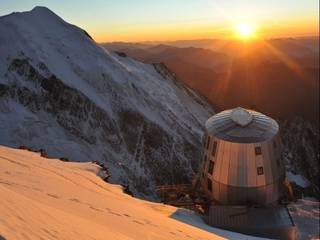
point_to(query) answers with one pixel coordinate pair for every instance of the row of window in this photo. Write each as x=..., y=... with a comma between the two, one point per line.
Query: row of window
x=257, y=149
x=210, y=171
x=213, y=152
x=274, y=143
x=214, y=147
x=211, y=167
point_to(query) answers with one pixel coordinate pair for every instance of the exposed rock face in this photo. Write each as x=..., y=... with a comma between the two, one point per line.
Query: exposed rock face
x=71, y=109
x=61, y=92
x=301, y=149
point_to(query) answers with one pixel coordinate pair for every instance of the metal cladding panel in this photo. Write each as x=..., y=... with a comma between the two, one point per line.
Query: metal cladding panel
x=251, y=195
x=216, y=190
x=218, y=161
x=261, y=196
x=235, y=178
x=213, y=157
x=230, y=195
x=241, y=195
x=278, y=163
x=274, y=161
x=272, y=194
x=233, y=173
x=204, y=153
x=268, y=159
x=278, y=142
x=281, y=164
x=261, y=179
x=277, y=146
x=242, y=166
x=251, y=166
x=225, y=163
x=268, y=222
x=236, y=164
x=205, y=161
x=278, y=155
x=260, y=129
x=269, y=193
x=223, y=193
x=210, y=147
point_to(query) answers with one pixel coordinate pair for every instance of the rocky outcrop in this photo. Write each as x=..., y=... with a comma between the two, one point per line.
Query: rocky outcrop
x=155, y=156
x=301, y=149
x=71, y=108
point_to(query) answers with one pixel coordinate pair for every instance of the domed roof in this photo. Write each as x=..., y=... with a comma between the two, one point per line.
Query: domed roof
x=242, y=126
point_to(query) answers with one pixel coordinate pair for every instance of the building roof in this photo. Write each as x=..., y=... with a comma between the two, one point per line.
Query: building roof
x=242, y=126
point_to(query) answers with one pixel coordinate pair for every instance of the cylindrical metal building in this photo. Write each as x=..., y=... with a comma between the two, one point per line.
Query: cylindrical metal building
x=242, y=158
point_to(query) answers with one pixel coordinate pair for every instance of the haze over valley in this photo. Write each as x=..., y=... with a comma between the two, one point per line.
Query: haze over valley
x=251, y=74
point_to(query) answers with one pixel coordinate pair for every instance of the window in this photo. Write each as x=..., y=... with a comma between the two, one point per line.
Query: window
x=209, y=185
x=208, y=142
x=211, y=166
x=214, y=148
x=260, y=170
x=257, y=150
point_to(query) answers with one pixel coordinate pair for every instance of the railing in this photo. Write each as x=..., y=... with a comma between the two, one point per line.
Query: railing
x=178, y=187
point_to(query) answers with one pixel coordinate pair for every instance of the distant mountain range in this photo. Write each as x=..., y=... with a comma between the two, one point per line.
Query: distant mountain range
x=279, y=77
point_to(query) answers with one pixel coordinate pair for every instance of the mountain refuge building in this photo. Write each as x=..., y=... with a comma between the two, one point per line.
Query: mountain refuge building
x=242, y=159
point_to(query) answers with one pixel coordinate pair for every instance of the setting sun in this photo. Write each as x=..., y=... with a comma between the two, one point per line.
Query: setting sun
x=245, y=30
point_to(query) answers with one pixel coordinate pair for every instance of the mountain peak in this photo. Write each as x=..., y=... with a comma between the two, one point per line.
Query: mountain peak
x=39, y=15
x=42, y=11
x=40, y=8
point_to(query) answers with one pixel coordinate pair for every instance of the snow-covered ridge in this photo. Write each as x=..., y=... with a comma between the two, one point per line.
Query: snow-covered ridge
x=49, y=199
x=62, y=92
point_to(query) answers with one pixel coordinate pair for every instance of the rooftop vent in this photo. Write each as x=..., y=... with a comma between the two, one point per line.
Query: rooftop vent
x=241, y=116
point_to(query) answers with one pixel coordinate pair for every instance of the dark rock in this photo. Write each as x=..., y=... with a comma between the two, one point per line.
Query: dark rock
x=43, y=153
x=126, y=190
x=301, y=149
x=23, y=147
x=163, y=158
x=64, y=159
x=121, y=54
x=87, y=34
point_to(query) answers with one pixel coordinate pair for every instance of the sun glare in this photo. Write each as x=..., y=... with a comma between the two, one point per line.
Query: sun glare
x=245, y=30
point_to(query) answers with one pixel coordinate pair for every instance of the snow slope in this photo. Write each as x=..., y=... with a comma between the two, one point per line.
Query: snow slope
x=62, y=92
x=306, y=216
x=49, y=199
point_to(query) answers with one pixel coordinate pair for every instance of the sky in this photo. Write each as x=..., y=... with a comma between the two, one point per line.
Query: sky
x=167, y=20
